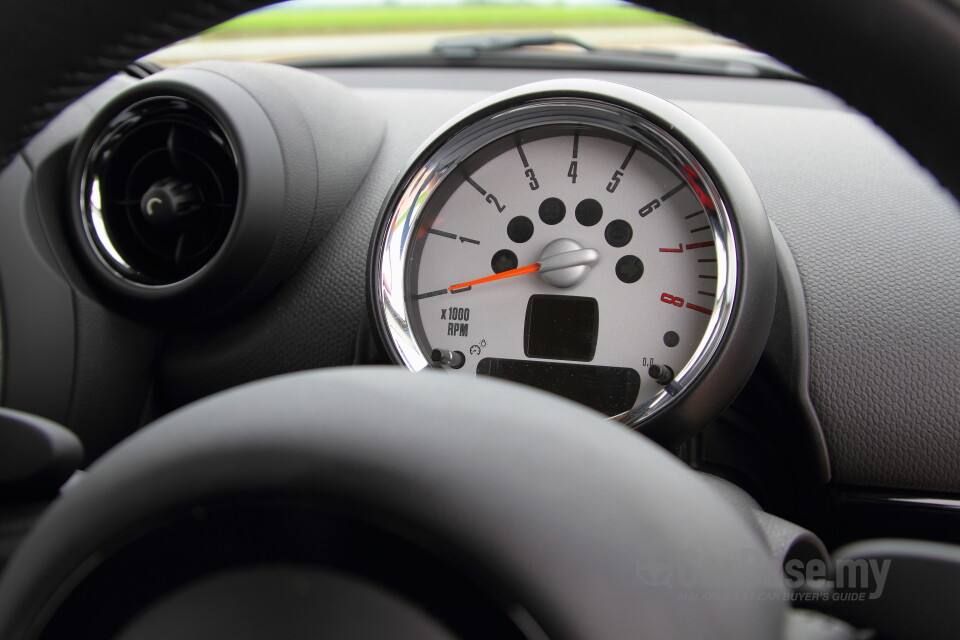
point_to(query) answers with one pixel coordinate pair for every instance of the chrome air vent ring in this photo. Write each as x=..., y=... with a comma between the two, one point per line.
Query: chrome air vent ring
x=158, y=193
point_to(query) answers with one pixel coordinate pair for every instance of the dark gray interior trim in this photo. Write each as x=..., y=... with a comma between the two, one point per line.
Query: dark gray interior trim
x=37, y=305
x=36, y=455
x=914, y=587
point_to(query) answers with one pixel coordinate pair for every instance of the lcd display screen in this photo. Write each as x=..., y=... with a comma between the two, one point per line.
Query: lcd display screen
x=561, y=328
x=610, y=390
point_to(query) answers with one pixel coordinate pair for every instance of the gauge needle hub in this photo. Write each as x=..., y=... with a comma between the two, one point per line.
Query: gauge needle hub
x=567, y=259
x=571, y=257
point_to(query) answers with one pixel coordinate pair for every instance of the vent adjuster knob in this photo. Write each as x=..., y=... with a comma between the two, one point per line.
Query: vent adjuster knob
x=170, y=202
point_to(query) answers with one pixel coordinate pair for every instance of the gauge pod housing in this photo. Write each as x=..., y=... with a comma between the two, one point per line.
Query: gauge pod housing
x=649, y=277
x=197, y=190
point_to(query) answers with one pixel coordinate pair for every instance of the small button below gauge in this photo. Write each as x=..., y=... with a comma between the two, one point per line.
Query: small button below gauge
x=453, y=359
x=661, y=373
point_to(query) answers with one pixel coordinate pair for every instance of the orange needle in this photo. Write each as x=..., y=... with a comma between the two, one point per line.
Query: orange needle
x=519, y=271
x=554, y=262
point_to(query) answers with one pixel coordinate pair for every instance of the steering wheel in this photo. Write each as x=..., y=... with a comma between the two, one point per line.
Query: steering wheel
x=422, y=505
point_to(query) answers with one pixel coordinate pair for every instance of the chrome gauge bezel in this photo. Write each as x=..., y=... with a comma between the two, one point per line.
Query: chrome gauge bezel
x=617, y=110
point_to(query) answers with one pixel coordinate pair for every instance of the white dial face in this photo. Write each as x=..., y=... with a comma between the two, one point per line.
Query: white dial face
x=570, y=258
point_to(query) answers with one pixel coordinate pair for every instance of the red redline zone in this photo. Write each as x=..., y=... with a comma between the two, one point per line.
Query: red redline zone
x=694, y=182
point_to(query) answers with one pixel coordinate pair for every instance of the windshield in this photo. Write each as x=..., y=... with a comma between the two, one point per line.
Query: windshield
x=327, y=30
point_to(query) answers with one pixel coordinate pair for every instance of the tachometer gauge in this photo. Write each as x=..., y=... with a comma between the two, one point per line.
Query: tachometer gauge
x=583, y=238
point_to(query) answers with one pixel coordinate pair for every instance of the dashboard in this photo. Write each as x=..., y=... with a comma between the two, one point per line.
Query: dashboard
x=821, y=172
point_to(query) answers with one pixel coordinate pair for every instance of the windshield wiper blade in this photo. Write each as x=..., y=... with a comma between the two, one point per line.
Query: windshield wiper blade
x=470, y=46
x=507, y=50
x=475, y=46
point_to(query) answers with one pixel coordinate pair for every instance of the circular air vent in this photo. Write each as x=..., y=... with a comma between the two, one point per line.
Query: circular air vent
x=159, y=191
x=196, y=192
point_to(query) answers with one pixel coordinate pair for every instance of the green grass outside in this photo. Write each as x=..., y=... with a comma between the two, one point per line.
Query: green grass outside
x=406, y=18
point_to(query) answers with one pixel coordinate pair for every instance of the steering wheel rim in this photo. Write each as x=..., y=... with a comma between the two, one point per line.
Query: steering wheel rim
x=573, y=519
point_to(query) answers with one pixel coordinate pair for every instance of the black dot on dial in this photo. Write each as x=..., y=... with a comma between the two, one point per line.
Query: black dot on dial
x=589, y=212
x=618, y=233
x=552, y=210
x=671, y=338
x=503, y=260
x=520, y=229
x=629, y=269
